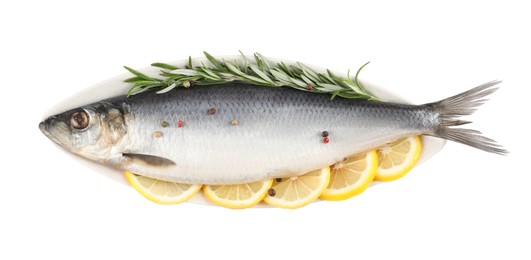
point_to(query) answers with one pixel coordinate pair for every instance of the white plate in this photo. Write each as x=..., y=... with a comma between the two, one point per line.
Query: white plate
x=115, y=87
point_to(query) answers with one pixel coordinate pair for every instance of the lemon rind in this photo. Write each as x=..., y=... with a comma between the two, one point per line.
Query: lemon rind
x=273, y=201
x=241, y=204
x=158, y=199
x=349, y=192
x=414, y=158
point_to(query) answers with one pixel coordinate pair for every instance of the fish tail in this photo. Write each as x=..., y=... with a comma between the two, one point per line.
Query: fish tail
x=463, y=104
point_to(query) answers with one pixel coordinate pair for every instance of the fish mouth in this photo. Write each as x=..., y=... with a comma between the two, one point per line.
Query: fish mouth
x=43, y=126
x=47, y=128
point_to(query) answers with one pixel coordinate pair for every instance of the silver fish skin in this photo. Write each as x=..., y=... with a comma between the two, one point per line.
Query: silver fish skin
x=238, y=133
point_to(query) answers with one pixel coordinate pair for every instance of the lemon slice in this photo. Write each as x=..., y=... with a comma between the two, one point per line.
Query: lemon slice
x=295, y=192
x=397, y=158
x=237, y=196
x=162, y=192
x=351, y=177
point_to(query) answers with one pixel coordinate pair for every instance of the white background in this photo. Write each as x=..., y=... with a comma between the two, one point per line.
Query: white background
x=463, y=203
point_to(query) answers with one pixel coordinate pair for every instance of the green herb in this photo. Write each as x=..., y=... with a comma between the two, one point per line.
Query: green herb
x=257, y=72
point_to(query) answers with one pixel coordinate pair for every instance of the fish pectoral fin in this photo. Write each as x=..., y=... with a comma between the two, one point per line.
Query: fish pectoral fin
x=146, y=160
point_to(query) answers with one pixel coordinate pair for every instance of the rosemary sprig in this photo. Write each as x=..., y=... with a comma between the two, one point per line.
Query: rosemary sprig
x=257, y=72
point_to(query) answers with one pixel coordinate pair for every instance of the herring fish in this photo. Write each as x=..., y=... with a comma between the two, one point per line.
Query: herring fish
x=239, y=133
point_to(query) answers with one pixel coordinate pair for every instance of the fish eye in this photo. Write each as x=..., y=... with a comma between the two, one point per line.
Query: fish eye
x=79, y=120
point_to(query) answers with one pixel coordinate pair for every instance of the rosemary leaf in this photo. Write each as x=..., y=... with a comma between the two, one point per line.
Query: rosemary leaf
x=306, y=79
x=138, y=74
x=262, y=75
x=189, y=66
x=214, y=61
x=133, y=79
x=357, y=73
x=209, y=71
x=285, y=69
x=185, y=72
x=263, y=60
x=164, y=66
x=245, y=62
x=238, y=72
x=168, y=88
x=146, y=82
x=298, y=82
x=280, y=75
x=330, y=87
x=308, y=72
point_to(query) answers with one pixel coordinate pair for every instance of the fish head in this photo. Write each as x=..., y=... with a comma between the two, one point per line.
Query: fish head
x=94, y=131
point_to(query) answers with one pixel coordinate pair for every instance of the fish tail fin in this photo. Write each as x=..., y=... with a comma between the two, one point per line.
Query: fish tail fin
x=463, y=104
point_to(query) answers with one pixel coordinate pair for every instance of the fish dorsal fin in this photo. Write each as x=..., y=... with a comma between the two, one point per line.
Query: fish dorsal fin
x=146, y=160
